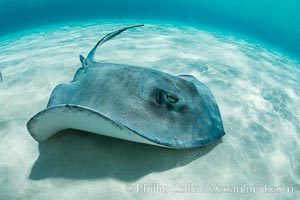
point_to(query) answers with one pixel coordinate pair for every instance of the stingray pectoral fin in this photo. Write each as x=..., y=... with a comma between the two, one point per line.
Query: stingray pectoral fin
x=54, y=119
x=187, y=77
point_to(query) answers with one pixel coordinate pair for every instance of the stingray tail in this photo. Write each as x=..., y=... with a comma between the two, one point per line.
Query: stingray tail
x=91, y=55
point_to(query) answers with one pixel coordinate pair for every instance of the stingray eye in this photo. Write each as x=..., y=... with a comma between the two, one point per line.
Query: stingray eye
x=163, y=98
x=171, y=99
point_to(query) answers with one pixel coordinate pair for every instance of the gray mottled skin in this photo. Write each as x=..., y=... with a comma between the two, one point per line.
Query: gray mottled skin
x=136, y=97
x=128, y=95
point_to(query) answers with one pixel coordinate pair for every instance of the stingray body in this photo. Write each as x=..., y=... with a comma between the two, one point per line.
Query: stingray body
x=132, y=103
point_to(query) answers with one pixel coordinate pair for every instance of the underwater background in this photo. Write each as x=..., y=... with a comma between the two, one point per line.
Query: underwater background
x=246, y=52
x=274, y=21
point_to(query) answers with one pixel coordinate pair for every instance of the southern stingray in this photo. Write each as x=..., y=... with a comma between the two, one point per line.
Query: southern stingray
x=132, y=103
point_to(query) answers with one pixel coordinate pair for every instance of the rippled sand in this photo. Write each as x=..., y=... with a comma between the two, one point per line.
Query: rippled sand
x=257, y=90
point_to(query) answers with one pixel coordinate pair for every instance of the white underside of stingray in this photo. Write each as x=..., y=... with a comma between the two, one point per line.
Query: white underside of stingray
x=58, y=118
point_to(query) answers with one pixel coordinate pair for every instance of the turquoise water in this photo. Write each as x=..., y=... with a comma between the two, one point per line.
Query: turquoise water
x=274, y=22
x=256, y=89
x=249, y=62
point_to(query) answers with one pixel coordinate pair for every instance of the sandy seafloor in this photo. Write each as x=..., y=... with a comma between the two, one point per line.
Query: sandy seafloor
x=257, y=90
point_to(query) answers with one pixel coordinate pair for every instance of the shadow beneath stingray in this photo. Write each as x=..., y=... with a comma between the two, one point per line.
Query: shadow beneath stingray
x=80, y=155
